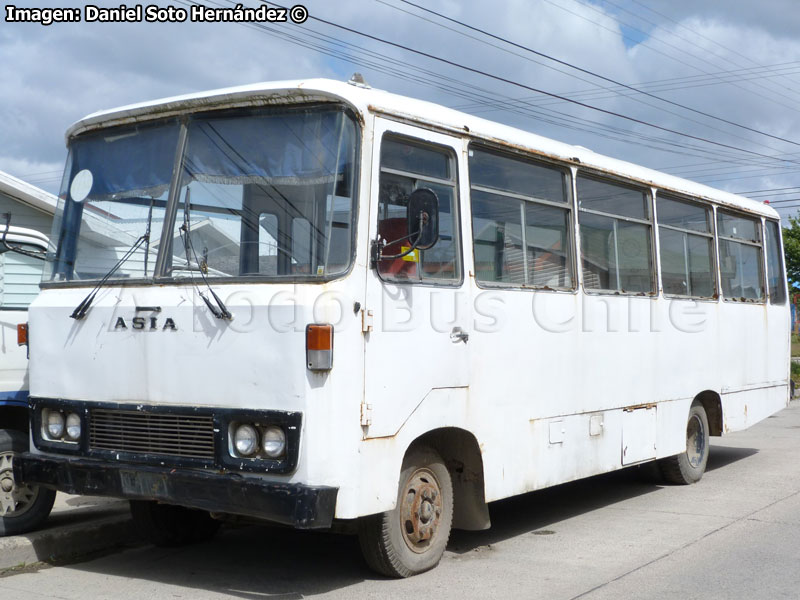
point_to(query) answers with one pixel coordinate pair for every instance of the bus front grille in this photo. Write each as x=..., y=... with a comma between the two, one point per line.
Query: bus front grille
x=189, y=436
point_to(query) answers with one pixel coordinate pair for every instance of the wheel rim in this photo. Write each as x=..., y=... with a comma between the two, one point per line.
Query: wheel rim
x=421, y=510
x=14, y=499
x=695, y=441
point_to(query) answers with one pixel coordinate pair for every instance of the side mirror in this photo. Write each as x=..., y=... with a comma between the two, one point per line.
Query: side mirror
x=423, y=218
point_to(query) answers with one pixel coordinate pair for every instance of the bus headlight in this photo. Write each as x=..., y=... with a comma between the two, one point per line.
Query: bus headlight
x=245, y=440
x=55, y=424
x=273, y=441
x=73, y=427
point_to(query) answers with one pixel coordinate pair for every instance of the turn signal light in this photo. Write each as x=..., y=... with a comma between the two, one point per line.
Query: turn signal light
x=319, y=347
x=22, y=334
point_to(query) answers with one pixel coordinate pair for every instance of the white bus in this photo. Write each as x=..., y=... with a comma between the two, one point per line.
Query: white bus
x=22, y=252
x=313, y=302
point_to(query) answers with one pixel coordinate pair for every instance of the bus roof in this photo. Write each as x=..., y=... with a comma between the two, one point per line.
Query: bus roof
x=23, y=235
x=364, y=100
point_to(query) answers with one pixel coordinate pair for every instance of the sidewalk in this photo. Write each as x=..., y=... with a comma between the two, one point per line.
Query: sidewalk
x=78, y=526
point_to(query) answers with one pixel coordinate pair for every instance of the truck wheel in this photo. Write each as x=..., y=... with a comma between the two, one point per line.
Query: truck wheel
x=23, y=508
x=412, y=538
x=688, y=467
x=168, y=525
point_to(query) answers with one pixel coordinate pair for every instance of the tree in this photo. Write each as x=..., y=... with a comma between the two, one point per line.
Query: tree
x=791, y=249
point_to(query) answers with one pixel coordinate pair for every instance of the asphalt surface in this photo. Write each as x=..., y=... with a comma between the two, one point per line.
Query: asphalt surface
x=736, y=534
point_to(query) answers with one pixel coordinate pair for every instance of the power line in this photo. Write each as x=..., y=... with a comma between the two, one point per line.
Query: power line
x=486, y=100
x=573, y=96
x=687, y=40
x=592, y=73
x=649, y=47
x=664, y=85
x=693, y=32
x=796, y=187
x=531, y=88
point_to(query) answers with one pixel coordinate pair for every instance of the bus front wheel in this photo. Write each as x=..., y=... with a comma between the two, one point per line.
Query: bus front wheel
x=688, y=467
x=412, y=538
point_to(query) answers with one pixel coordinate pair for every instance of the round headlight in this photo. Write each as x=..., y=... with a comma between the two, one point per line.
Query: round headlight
x=55, y=424
x=245, y=440
x=273, y=441
x=73, y=427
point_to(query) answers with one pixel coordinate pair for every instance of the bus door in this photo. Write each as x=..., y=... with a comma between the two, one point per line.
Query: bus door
x=416, y=354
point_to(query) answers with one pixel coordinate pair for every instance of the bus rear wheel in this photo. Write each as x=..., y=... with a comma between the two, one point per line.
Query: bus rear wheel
x=412, y=538
x=23, y=508
x=168, y=525
x=689, y=466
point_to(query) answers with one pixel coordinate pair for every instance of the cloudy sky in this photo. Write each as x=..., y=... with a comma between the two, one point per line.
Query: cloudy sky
x=725, y=72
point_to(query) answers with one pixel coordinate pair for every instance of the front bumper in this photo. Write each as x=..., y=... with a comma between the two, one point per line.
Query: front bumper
x=297, y=505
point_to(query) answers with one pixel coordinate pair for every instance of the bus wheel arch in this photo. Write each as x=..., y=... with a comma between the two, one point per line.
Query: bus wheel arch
x=441, y=477
x=462, y=454
x=412, y=537
x=712, y=403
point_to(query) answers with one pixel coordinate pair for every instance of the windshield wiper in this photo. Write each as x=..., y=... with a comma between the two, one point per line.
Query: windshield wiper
x=220, y=311
x=82, y=308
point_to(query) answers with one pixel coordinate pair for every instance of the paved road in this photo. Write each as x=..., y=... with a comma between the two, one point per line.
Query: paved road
x=736, y=534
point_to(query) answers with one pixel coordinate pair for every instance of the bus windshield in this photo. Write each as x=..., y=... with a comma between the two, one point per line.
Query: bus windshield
x=256, y=193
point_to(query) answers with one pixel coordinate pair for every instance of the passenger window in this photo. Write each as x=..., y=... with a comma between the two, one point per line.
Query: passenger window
x=687, y=248
x=616, y=251
x=776, y=280
x=740, y=258
x=408, y=165
x=520, y=222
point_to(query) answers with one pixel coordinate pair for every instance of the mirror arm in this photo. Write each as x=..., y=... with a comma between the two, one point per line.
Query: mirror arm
x=379, y=247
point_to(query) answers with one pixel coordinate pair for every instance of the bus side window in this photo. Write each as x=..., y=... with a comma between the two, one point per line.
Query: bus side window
x=740, y=257
x=407, y=165
x=521, y=221
x=615, y=224
x=687, y=248
x=776, y=280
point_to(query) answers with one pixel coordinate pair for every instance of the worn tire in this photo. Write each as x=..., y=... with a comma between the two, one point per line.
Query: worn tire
x=32, y=503
x=411, y=538
x=689, y=466
x=169, y=525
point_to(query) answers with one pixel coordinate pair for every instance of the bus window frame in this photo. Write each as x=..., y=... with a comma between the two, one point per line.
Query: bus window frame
x=711, y=234
x=655, y=267
x=781, y=258
x=455, y=182
x=161, y=266
x=569, y=205
x=760, y=245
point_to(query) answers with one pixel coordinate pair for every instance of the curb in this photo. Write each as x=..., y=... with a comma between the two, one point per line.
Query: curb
x=69, y=542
